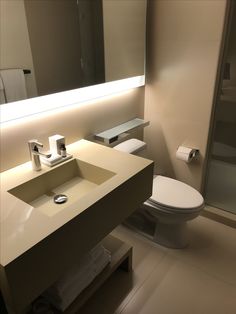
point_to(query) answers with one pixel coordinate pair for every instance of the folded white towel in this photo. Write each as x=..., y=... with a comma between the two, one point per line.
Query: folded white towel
x=87, y=266
x=72, y=276
x=70, y=285
x=101, y=262
x=96, y=251
x=2, y=92
x=62, y=301
x=96, y=255
x=14, y=84
x=1, y=84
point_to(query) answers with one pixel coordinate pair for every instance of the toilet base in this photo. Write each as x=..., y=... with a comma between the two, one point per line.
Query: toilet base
x=171, y=235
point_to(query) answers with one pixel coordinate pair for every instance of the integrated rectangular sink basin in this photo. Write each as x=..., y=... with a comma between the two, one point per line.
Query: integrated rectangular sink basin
x=74, y=179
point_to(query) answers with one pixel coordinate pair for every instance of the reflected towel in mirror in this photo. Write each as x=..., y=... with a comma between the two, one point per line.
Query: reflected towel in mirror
x=14, y=84
x=2, y=93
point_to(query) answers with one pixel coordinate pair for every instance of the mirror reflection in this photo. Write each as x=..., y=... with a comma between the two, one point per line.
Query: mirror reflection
x=48, y=46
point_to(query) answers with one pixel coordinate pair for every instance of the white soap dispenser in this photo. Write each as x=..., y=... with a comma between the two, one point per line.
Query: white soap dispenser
x=55, y=142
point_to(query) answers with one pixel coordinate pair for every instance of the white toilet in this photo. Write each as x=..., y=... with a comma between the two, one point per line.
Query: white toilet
x=164, y=215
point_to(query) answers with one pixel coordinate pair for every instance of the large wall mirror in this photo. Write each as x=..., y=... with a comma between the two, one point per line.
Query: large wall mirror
x=68, y=44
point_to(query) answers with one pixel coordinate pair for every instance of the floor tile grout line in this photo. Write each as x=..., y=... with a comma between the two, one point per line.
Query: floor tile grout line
x=154, y=269
x=141, y=285
x=167, y=252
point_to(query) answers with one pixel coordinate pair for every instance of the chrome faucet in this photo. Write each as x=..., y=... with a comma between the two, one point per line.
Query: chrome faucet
x=35, y=154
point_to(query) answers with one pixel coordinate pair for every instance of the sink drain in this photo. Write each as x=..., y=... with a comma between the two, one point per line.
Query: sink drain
x=60, y=198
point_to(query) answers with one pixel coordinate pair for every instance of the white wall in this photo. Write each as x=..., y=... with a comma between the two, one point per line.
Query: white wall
x=183, y=47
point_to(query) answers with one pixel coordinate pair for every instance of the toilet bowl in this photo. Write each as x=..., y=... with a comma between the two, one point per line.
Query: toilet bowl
x=169, y=208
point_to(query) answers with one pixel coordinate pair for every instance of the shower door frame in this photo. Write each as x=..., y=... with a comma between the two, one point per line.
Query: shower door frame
x=230, y=5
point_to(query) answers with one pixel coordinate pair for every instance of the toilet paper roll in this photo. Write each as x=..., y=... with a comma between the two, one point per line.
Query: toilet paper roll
x=186, y=154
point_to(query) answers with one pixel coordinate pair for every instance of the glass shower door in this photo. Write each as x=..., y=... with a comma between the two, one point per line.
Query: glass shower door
x=221, y=178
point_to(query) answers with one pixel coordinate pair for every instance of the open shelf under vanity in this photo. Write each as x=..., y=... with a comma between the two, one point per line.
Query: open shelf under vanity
x=121, y=257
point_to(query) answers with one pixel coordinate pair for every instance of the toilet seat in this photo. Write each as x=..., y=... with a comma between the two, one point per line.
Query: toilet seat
x=158, y=208
x=169, y=195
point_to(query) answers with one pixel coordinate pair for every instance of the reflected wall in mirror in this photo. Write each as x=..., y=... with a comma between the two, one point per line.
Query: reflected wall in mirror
x=67, y=44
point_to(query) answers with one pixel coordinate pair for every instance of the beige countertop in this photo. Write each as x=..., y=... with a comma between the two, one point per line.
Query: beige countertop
x=22, y=226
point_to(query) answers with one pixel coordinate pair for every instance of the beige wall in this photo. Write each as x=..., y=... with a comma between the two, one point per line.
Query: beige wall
x=15, y=51
x=183, y=48
x=124, y=38
x=74, y=123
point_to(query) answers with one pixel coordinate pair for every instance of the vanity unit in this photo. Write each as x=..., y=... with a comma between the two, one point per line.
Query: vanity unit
x=41, y=239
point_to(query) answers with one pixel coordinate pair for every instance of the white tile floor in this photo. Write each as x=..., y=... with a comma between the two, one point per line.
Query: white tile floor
x=200, y=279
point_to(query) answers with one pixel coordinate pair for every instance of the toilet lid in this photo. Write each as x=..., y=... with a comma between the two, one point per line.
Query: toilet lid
x=172, y=193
